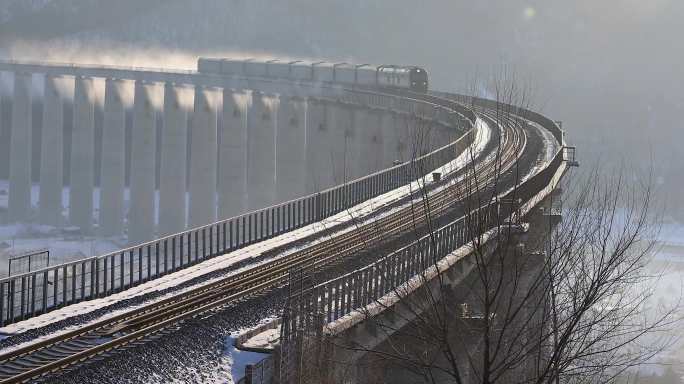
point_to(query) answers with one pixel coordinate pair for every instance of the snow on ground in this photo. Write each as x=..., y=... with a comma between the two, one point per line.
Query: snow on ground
x=239, y=359
x=266, y=339
x=64, y=247
x=23, y=238
x=222, y=262
x=672, y=233
x=551, y=147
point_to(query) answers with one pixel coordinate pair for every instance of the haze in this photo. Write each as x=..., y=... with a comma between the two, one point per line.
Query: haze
x=608, y=69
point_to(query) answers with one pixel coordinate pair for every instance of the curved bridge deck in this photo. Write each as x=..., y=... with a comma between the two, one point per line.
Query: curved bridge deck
x=517, y=145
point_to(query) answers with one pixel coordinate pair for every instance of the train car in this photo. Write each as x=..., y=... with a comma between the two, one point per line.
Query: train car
x=278, y=69
x=402, y=77
x=233, y=67
x=344, y=73
x=255, y=68
x=366, y=74
x=301, y=70
x=209, y=65
x=322, y=72
x=393, y=76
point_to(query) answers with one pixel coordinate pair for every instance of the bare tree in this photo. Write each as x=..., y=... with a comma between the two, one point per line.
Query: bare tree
x=544, y=300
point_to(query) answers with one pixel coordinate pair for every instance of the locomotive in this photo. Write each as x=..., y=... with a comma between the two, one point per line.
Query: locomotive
x=395, y=76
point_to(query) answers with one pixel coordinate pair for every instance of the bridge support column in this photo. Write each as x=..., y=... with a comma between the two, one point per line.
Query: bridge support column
x=372, y=144
x=19, y=208
x=261, y=151
x=141, y=213
x=113, y=160
x=390, y=139
x=203, y=158
x=82, y=156
x=172, y=170
x=356, y=159
x=362, y=142
x=291, y=148
x=233, y=155
x=319, y=164
x=342, y=144
x=51, y=162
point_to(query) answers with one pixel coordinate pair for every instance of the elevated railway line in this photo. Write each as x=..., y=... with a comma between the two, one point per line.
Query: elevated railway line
x=103, y=337
x=511, y=152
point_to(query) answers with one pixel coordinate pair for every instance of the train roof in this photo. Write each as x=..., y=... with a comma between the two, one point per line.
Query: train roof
x=316, y=63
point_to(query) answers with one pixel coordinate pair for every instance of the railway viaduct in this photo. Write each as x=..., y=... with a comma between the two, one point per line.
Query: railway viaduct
x=233, y=162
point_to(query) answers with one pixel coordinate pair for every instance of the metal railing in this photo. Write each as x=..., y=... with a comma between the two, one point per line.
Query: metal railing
x=348, y=293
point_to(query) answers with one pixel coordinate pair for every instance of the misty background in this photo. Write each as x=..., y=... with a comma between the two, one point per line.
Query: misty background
x=611, y=70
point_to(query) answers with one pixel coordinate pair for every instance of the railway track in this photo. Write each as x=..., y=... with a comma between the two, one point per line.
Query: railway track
x=103, y=337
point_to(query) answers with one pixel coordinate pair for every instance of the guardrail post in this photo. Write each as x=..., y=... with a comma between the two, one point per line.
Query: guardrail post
x=94, y=278
x=130, y=268
x=55, y=287
x=2, y=304
x=45, y=296
x=73, y=283
x=10, y=303
x=33, y=294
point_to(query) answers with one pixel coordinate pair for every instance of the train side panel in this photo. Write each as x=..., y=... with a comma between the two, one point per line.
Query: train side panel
x=232, y=67
x=255, y=68
x=208, y=65
x=300, y=71
x=366, y=75
x=344, y=74
x=278, y=70
x=322, y=72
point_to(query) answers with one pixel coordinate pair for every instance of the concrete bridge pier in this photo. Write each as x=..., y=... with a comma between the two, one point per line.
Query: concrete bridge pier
x=203, y=157
x=141, y=214
x=375, y=147
x=413, y=137
x=362, y=142
x=390, y=139
x=342, y=143
x=233, y=154
x=406, y=147
x=51, y=163
x=82, y=156
x=172, y=178
x=319, y=164
x=291, y=148
x=261, y=170
x=19, y=208
x=113, y=160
